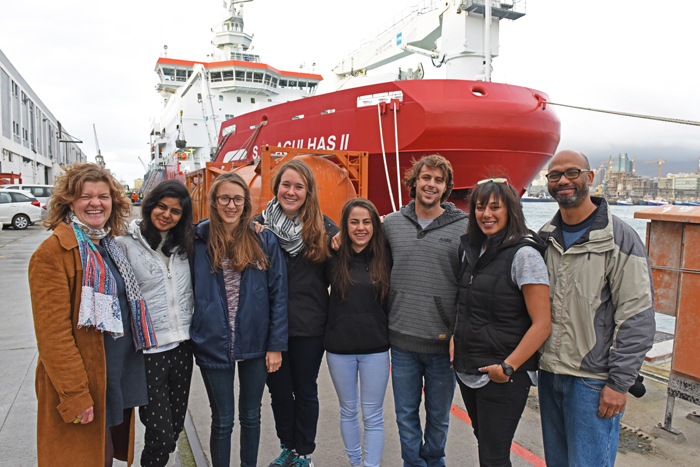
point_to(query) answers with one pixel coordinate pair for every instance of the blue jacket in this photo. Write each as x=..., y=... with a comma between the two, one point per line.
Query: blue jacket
x=261, y=320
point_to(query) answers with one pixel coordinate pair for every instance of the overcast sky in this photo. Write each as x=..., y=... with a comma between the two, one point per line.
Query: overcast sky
x=92, y=62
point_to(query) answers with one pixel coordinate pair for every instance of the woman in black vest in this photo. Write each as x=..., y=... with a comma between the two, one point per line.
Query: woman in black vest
x=503, y=316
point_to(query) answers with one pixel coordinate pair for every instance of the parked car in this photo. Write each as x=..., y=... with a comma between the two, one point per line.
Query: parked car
x=40, y=192
x=19, y=208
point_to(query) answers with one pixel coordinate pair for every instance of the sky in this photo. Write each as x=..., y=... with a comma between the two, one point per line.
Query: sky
x=92, y=62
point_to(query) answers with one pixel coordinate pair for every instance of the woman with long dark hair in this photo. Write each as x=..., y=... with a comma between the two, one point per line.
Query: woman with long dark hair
x=240, y=315
x=357, y=333
x=294, y=216
x=503, y=316
x=158, y=247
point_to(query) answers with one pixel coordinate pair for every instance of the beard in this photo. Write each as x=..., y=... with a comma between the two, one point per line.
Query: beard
x=580, y=193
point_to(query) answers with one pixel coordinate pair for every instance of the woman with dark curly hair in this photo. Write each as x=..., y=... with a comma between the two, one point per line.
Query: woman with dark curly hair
x=91, y=325
x=158, y=246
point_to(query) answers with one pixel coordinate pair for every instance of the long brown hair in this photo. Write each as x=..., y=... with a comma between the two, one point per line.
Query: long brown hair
x=69, y=186
x=313, y=234
x=242, y=248
x=376, y=253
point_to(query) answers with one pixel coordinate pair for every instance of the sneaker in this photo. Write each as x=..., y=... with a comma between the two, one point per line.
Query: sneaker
x=302, y=461
x=285, y=459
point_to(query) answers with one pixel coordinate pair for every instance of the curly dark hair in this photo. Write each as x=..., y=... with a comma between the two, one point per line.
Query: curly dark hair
x=435, y=161
x=180, y=238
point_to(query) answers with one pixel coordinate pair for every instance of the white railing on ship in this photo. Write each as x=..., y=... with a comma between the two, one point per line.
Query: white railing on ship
x=423, y=7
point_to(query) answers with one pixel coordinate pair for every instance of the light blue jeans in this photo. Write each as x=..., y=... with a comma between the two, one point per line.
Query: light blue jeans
x=410, y=373
x=573, y=433
x=373, y=370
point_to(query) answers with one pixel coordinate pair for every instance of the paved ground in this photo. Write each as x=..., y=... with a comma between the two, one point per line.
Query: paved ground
x=18, y=404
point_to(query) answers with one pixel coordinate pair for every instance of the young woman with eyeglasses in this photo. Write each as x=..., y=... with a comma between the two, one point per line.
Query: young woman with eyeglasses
x=240, y=315
x=503, y=316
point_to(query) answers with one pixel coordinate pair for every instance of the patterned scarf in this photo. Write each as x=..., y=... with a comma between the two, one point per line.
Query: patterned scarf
x=99, y=304
x=288, y=231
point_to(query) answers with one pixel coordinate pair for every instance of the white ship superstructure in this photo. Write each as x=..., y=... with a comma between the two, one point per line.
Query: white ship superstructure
x=199, y=96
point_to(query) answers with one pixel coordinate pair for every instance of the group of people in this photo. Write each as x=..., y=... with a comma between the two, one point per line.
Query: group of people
x=429, y=296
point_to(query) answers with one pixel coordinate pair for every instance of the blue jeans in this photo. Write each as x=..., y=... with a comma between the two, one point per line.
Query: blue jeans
x=573, y=433
x=219, y=384
x=373, y=370
x=410, y=372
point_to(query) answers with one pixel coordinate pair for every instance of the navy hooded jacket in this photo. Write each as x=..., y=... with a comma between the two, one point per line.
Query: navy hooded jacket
x=261, y=320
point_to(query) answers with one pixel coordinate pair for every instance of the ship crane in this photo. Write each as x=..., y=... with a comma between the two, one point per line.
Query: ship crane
x=660, y=162
x=99, y=160
x=469, y=39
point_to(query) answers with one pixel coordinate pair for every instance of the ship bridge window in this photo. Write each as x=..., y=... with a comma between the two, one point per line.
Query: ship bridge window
x=240, y=76
x=312, y=85
x=302, y=84
x=249, y=76
x=216, y=76
x=189, y=73
x=267, y=79
x=168, y=74
x=228, y=75
x=181, y=75
x=257, y=77
x=292, y=84
x=283, y=83
x=274, y=82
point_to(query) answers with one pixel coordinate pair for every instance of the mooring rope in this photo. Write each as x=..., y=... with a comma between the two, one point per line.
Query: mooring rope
x=626, y=114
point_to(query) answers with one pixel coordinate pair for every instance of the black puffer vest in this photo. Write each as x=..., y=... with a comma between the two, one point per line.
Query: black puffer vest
x=492, y=317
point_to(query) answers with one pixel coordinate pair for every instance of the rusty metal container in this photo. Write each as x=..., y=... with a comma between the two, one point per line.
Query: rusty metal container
x=673, y=245
x=340, y=176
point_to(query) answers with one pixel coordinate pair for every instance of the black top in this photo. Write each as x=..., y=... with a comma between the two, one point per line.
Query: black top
x=126, y=372
x=492, y=316
x=359, y=324
x=307, y=307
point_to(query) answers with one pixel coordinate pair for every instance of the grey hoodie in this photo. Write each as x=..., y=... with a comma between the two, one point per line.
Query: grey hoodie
x=424, y=278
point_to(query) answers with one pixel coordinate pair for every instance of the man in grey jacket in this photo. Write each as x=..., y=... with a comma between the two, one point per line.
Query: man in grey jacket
x=424, y=240
x=602, y=319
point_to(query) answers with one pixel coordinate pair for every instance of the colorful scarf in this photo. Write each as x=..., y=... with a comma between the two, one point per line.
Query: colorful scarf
x=288, y=232
x=99, y=303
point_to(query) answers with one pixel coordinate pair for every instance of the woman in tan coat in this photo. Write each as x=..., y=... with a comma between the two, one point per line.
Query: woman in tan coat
x=91, y=324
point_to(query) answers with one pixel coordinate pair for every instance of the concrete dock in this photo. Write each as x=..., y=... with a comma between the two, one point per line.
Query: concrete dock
x=18, y=354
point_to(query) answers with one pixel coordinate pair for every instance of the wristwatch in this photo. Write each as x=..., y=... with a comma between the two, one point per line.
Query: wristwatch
x=507, y=369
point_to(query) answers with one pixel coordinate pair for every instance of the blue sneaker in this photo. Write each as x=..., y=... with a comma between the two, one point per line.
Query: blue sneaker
x=302, y=461
x=285, y=459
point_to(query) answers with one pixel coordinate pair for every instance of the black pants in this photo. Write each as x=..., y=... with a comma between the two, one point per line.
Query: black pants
x=168, y=374
x=294, y=393
x=495, y=411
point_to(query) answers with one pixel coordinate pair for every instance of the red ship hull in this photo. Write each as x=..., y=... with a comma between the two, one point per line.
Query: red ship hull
x=484, y=129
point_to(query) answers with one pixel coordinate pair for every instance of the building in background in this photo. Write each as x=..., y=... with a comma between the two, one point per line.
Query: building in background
x=33, y=142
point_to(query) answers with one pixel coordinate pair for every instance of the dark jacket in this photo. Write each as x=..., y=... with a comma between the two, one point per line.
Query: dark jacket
x=492, y=317
x=359, y=324
x=261, y=320
x=307, y=308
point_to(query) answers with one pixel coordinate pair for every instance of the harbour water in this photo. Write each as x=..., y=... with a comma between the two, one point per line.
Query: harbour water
x=536, y=214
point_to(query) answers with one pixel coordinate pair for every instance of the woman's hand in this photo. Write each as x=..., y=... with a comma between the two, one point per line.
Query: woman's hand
x=258, y=227
x=85, y=417
x=273, y=360
x=335, y=242
x=495, y=373
x=452, y=349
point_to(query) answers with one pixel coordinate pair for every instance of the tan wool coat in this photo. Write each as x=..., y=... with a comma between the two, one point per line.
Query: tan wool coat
x=71, y=371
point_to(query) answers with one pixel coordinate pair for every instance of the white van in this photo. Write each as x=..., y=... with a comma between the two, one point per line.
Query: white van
x=40, y=192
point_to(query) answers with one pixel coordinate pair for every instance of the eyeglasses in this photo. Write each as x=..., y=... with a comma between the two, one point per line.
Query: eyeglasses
x=225, y=200
x=493, y=180
x=570, y=174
